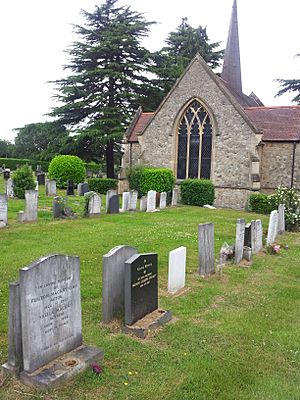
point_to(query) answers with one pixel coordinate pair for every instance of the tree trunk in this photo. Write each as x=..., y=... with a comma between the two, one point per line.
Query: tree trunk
x=109, y=153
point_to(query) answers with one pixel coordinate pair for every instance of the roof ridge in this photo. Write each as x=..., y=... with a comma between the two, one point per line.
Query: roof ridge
x=269, y=107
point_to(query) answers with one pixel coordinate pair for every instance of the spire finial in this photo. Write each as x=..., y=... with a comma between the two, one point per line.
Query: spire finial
x=232, y=65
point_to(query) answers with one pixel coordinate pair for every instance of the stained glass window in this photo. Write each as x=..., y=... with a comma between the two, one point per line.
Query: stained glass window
x=194, y=143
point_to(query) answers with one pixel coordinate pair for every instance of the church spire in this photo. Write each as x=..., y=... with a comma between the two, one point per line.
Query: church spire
x=232, y=66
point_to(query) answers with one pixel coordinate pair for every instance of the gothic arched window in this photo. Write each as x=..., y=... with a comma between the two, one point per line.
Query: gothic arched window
x=194, y=143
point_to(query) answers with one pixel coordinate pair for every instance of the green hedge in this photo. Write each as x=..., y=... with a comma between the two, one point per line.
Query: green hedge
x=23, y=180
x=261, y=203
x=144, y=179
x=134, y=176
x=65, y=167
x=197, y=192
x=102, y=185
x=13, y=162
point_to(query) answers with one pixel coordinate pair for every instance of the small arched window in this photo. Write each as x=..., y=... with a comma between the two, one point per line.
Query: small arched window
x=194, y=143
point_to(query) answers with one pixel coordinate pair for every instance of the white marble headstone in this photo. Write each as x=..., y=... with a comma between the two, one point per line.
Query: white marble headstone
x=3, y=208
x=281, y=219
x=273, y=227
x=143, y=203
x=163, y=200
x=9, y=187
x=94, y=203
x=132, y=201
x=51, y=188
x=177, y=266
x=125, y=198
x=31, y=205
x=151, y=200
x=175, y=195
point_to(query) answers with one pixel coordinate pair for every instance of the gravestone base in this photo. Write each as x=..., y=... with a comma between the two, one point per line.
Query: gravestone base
x=62, y=368
x=148, y=323
x=11, y=370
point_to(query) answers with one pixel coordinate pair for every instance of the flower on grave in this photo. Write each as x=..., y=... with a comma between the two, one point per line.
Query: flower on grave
x=274, y=248
x=97, y=369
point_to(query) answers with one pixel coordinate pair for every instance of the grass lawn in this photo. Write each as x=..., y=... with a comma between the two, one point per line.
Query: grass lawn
x=235, y=336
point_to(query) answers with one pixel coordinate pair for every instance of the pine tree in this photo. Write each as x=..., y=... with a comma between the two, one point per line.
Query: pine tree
x=290, y=86
x=108, y=67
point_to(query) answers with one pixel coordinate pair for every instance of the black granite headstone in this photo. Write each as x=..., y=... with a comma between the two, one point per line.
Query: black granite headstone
x=70, y=188
x=247, y=239
x=41, y=178
x=141, y=286
x=85, y=188
x=113, y=204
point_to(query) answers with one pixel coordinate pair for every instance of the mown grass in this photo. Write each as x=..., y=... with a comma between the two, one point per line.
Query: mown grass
x=234, y=336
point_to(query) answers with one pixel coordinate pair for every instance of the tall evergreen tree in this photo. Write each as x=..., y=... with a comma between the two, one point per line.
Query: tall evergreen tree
x=290, y=86
x=108, y=67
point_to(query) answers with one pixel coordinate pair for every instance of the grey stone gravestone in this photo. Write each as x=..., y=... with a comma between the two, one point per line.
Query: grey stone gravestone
x=82, y=188
x=31, y=205
x=143, y=203
x=239, y=240
x=70, y=188
x=3, y=209
x=169, y=198
x=175, y=197
x=206, y=249
x=125, y=198
x=47, y=302
x=259, y=235
x=51, y=188
x=177, y=264
x=113, y=204
x=132, y=201
x=113, y=266
x=281, y=219
x=163, y=200
x=58, y=207
x=109, y=194
x=151, y=201
x=21, y=216
x=141, y=286
x=41, y=178
x=273, y=227
x=94, y=206
x=247, y=255
x=9, y=187
x=6, y=174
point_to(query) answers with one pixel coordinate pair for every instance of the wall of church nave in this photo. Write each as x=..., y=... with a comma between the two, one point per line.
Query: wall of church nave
x=236, y=199
x=277, y=164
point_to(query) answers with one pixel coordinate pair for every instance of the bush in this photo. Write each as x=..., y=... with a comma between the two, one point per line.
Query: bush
x=197, y=192
x=23, y=180
x=63, y=168
x=134, y=176
x=13, y=163
x=158, y=179
x=260, y=203
x=291, y=200
x=102, y=185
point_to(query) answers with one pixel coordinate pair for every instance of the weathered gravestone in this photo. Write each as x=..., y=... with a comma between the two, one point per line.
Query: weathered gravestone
x=113, y=205
x=9, y=187
x=281, y=219
x=143, y=203
x=169, y=198
x=141, y=295
x=58, y=207
x=94, y=203
x=125, y=199
x=163, y=200
x=3, y=210
x=41, y=177
x=206, y=249
x=151, y=201
x=113, y=266
x=259, y=236
x=70, y=188
x=45, y=341
x=132, y=201
x=247, y=239
x=239, y=241
x=109, y=194
x=82, y=188
x=175, y=197
x=6, y=174
x=177, y=263
x=31, y=205
x=273, y=227
x=51, y=188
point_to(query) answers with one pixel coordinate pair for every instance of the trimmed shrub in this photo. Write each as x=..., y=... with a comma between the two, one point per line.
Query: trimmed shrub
x=13, y=163
x=260, y=203
x=23, y=180
x=197, y=192
x=102, y=185
x=63, y=168
x=158, y=179
x=291, y=200
x=134, y=176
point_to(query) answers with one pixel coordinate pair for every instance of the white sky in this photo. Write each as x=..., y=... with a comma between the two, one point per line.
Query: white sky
x=35, y=33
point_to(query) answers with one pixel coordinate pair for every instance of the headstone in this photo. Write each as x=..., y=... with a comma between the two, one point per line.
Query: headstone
x=143, y=203
x=125, y=199
x=151, y=201
x=58, y=207
x=70, y=188
x=113, y=267
x=273, y=227
x=169, y=198
x=82, y=188
x=94, y=207
x=239, y=241
x=247, y=239
x=163, y=200
x=132, y=201
x=141, y=286
x=206, y=249
x=247, y=254
x=41, y=178
x=21, y=216
x=45, y=322
x=51, y=188
x=175, y=197
x=177, y=263
x=31, y=205
x=36, y=186
x=113, y=204
x=9, y=187
x=281, y=219
x=259, y=235
x=6, y=174
x=109, y=194
x=3, y=209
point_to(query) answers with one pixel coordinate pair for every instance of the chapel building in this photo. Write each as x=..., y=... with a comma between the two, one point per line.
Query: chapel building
x=206, y=127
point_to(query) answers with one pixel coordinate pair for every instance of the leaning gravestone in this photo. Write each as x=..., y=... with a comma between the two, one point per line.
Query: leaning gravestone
x=3, y=210
x=206, y=249
x=163, y=200
x=143, y=203
x=109, y=194
x=51, y=188
x=45, y=322
x=177, y=263
x=125, y=198
x=281, y=219
x=151, y=201
x=94, y=203
x=113, y=205
x=132, y=201
x=113, y=266
x=239, y=241
x=31, y=205
x=273, y=227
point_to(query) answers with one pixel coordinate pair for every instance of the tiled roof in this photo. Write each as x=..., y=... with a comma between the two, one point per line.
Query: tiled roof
x=139, y=126
x=276, y=123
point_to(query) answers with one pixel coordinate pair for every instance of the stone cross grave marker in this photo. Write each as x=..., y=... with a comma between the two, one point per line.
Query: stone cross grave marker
x=151, y=200
x=113, y=267
x=94, y=206
x=177, y=264
x=109, y=194
x=3, y=210
x=113, y=204
x=239, y=240
x=273, y=227
x=163, y=200
x=51, y=188
x=281, y=219
x=175, y=196
x=143, y=203
x=125, y=198
x=132, y=201
x=206, y=249
x=31, y=205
